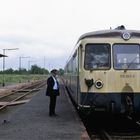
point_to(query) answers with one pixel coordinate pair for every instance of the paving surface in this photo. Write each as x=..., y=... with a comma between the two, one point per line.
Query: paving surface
x=32, y=122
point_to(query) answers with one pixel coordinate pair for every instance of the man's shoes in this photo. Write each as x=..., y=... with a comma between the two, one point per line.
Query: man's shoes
x=56, y=115
x=53, y=115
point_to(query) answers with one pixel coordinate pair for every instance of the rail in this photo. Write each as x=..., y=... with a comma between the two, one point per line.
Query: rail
x=35, y=86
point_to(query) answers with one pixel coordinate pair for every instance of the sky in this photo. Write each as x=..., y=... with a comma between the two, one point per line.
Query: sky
x=46, y=31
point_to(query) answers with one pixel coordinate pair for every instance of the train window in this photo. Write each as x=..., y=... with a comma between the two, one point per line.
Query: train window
x=75, y=62
x=126, y=56
x=97, y=56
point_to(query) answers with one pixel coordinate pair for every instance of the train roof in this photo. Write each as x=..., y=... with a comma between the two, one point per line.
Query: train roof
x=117, y=32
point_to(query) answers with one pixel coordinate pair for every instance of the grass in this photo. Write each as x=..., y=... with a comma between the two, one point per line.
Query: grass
x=13, y=78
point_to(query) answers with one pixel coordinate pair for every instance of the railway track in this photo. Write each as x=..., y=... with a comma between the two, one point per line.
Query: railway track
x=22, y=95
x=114, y=128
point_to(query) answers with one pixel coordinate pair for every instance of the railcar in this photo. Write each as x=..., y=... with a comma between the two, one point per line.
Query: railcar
x=103, y=72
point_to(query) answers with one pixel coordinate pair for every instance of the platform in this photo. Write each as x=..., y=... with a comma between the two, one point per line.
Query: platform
x=32, y=121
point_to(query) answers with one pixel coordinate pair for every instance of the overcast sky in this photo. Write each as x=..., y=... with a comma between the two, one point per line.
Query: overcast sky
x=47, y=30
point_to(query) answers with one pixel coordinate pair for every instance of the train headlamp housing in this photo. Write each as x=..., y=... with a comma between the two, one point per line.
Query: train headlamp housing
x=126, y=36
x=98, y=84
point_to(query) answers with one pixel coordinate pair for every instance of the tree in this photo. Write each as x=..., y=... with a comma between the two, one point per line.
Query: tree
x=37, y=70
x=9, y=71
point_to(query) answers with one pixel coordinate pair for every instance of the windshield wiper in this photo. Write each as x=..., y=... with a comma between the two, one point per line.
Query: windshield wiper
x=130, y=63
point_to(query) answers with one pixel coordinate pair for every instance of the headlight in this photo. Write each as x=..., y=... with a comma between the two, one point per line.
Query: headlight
x=98, y=84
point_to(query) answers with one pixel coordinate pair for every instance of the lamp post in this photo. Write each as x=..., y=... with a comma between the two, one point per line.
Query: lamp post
x=29, y=63
x=3, y=84
x=20, y=61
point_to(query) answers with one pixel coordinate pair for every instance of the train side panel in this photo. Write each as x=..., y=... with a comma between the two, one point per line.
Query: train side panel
x=72, y=76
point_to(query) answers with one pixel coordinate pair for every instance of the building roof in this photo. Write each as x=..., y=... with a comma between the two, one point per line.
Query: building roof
x=1, y=55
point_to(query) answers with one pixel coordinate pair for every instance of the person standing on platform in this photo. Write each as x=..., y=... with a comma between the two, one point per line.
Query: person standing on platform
x=52, y=91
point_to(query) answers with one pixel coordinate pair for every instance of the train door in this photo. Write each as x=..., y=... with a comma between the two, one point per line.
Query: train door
x=79, y=64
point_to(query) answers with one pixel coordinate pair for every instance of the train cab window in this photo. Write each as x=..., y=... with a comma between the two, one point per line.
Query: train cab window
x=126, y=56
x=97, y=56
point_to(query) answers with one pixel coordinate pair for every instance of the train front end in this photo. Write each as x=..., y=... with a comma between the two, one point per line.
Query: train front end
x=109, y=72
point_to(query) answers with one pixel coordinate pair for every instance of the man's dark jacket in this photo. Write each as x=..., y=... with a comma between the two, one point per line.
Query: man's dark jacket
x=50, y=91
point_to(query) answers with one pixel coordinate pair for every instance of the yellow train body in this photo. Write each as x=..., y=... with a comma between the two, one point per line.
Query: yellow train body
x=104, y=71
x=113, y=80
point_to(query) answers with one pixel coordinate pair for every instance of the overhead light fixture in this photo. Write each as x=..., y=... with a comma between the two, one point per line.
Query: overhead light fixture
x=126, y=36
